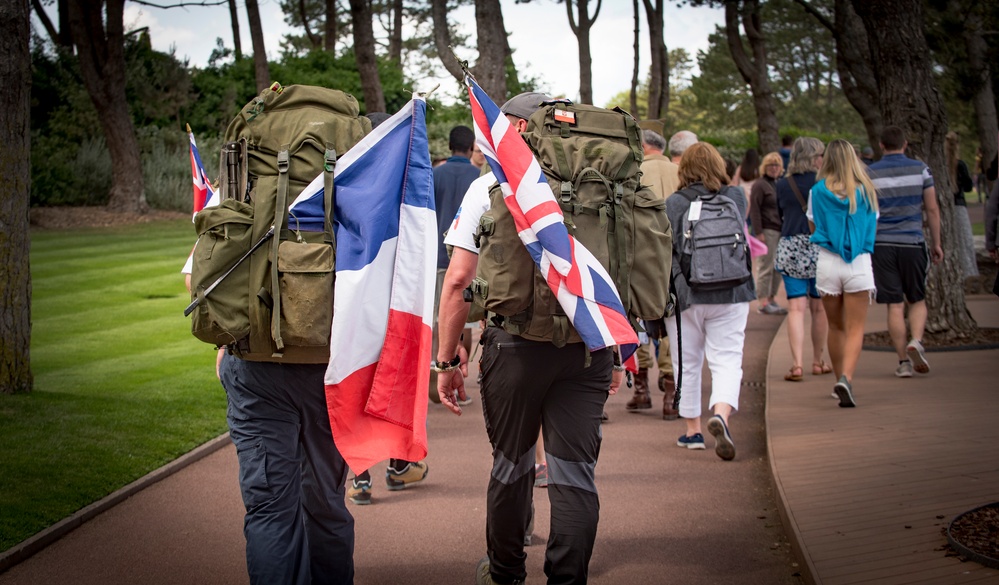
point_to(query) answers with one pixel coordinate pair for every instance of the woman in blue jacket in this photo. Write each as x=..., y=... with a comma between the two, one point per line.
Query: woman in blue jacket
x=843, y=212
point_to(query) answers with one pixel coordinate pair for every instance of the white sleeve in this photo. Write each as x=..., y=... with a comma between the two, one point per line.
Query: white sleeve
x=808, y=209
x=461, y=234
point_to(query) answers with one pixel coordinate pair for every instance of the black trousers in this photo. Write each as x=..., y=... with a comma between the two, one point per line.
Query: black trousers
x=527, y=386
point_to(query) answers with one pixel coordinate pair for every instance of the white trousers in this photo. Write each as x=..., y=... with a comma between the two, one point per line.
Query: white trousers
x=715, y=332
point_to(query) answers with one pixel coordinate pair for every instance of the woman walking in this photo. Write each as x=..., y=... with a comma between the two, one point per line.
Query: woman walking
x=796, y=257
x=843, y=211
x=712, y=322
x=960, y=181
x=765, y=223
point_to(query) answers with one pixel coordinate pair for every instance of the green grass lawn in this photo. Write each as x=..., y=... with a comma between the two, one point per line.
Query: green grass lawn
x=121, y=386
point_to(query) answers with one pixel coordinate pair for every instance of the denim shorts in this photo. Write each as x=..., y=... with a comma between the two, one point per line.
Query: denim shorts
x=799, y=287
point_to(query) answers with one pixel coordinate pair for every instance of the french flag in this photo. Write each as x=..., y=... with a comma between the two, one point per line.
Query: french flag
x=378, y=375
x=582, y=286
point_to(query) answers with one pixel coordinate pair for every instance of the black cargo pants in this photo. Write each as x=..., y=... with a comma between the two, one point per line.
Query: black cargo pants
x=527, y=385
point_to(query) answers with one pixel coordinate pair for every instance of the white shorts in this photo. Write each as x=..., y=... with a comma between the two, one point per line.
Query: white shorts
x=835, y=276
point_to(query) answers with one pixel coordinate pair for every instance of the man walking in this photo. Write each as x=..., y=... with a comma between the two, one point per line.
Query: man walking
x=901, y=260
x=661, y=175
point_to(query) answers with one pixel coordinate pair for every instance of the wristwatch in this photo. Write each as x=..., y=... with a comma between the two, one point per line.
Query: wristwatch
x=446, y=366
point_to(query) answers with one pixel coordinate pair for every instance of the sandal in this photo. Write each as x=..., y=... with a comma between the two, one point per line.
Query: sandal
x=821, y=367
x=794, y=374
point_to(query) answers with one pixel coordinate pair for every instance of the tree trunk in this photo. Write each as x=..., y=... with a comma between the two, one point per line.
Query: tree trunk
x=581, y=23
x=659, y=78
x=911, y=100
x=261, y=69
x=984, y=100
x=853, y=65
x=364, y=52
x=329, y=28
x=102, y=66
x=753, y=70
x=314, y=39
x=15, y=167
x=236, y=41
x=490, y=67
x=633, y=94
x=395, y=36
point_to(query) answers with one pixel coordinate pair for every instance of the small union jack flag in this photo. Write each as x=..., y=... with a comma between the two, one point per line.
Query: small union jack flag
x=581, y=285
x=204, y=195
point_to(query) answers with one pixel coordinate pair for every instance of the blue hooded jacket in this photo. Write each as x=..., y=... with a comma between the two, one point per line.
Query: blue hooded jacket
x=836, y=229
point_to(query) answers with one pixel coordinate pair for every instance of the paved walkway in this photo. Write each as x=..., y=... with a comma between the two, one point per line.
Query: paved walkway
x=861, y=494
x=866, y=492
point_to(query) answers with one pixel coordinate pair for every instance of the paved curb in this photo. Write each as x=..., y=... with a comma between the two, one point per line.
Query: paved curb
x=805, y=565
x=36, y=543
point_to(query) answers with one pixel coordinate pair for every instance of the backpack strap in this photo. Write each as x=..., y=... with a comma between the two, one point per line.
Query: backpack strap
x=329, y=163
x=280, y=219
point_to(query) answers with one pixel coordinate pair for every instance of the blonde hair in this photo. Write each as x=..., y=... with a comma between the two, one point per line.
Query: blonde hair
x=771, y=158
x=804, y=151
x=701, y=163
x=844, y=174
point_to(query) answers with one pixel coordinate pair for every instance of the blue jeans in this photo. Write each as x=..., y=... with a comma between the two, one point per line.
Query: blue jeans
x=297, y=526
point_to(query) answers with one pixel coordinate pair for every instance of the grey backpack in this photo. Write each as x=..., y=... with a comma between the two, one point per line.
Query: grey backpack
x=715, y=253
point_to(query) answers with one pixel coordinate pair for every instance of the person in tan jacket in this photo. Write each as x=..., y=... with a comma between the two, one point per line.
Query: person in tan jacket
x=661, y=175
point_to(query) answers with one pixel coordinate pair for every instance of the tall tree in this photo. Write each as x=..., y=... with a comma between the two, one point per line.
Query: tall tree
x=581, y=22
x=395, y=33
x=364, y=52
x=753, y=68
x=853, y=64
x=980, y=83
x=330, y=27
x=633, y=93
x=260, y=67
x=910, y=99
x=659, y=74
x=102, y=65
x=490, y=68
x=236, y=41
x=15, y=167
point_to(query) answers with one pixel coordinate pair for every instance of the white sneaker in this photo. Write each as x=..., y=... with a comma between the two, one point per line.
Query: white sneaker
x=918, y=357
x=904, y=369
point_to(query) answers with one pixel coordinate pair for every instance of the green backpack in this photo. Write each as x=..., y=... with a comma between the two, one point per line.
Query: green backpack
x=274, y=301
x=591, y=157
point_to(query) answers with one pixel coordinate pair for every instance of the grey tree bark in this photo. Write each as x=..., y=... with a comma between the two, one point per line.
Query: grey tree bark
x=395, y=36
x=237, y=43
x=260, y=67
x=494, y=49
x=753, y=69
x=853, y=65
x=364, y=52
x=910, y=99
x=329, y=27
x=102, y=66
x=581, y=23
x=659, y=74
x=15, y=167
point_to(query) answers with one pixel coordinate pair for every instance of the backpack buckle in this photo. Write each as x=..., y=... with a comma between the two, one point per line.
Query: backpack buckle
x=566, y=192
x=282, y=161
x=618, y=193
x=329, y=159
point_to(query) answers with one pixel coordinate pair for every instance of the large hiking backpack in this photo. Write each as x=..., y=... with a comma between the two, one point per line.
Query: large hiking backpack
x=276, y=302
x=591, y=158
x=715, y=254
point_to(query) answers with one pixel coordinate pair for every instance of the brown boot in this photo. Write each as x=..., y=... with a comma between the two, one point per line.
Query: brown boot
x=641, y=400
x=668, y=385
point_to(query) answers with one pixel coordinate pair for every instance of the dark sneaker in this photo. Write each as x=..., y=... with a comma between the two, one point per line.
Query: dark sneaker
x=844, y=391
x=918, y=357
x=359, y=492
x=724, y=446
x=541, y=476
x=400, y=479
x=694, y=442
x=482, y=575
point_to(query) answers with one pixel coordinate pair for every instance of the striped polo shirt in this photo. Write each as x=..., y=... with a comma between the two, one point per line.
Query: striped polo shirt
x=900, y=182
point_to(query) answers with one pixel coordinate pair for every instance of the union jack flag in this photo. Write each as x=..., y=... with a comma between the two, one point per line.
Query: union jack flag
x=204, y=195
x=581, y=285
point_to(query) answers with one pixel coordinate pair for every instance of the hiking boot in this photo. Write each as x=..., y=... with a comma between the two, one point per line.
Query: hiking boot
x=482, y=575
x=844, y=391
x=668, y=385
x=904, y=369
x=359, y=491
x=541, y=475
x=399, y=479
x=641, y=400
x=693, y=442
x=724, y=446
x=917, y=357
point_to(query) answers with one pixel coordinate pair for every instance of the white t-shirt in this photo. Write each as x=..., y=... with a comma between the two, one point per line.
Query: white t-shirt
x=466, y=221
